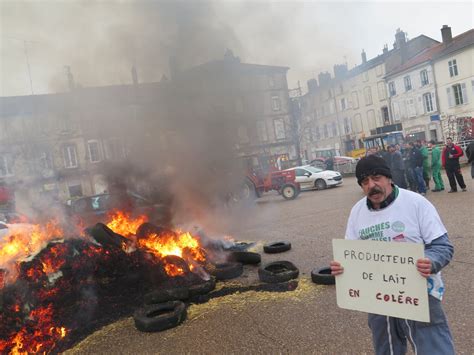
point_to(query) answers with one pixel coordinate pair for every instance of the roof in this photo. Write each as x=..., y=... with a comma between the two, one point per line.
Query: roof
x=439, y=50
x=459, y=42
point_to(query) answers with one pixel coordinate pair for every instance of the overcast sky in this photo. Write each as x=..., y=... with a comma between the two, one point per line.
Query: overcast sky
x=101, y=40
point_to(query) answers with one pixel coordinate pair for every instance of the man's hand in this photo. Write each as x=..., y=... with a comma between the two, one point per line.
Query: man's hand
x=336, y=268
x=423, y=266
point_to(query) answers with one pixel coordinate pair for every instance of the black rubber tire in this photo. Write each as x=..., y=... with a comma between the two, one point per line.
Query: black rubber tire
x=148, y=228
x=247, y=191
x=289, y=191
x=171, y=294
x=158, y=317
x=276, y=247
x=278, y=271
x=202, y=288
x=245, y=257
x=226, y=271
x=179, y=262
x=323, y=276
x=320, y=184
x=107, y=237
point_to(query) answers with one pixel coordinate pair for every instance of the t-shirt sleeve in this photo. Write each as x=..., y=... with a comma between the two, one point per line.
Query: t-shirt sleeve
x=431, y=226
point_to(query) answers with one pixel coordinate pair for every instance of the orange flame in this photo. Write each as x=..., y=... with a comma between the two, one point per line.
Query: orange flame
x=122, y=223
x=23, y=240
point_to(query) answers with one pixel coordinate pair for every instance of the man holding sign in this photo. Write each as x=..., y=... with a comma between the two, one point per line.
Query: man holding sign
x=391, y=214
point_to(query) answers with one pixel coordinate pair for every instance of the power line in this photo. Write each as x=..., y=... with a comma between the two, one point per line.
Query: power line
x=26, y=57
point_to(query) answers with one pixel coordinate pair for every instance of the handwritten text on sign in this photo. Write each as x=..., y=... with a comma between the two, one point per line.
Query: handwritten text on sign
x=381, y=278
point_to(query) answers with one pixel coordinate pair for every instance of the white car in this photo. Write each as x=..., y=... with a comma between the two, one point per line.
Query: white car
x=310, y=177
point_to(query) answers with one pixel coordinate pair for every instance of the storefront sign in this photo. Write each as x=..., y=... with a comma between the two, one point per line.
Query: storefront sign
x=381, y=278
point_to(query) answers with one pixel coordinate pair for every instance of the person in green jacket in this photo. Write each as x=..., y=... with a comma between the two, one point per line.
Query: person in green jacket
x=426, y=162
x=436, y=166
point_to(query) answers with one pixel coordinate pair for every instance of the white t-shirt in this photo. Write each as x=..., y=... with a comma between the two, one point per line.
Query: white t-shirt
x=410, y=218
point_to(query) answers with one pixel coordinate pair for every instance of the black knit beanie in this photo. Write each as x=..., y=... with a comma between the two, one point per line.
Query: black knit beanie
x=371, y=165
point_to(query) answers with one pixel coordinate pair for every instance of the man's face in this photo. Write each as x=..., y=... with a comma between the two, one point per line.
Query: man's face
x=449, y=142
x=377, y=188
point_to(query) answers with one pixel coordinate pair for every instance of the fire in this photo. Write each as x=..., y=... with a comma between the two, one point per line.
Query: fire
x=181, y=244
x=23, y=240
x=122, y=223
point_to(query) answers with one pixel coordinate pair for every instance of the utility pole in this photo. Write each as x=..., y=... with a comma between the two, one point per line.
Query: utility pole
x=25, y=47
x=295, y=112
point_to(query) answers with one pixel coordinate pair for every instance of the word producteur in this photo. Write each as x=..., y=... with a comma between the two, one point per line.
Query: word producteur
x=373, y=256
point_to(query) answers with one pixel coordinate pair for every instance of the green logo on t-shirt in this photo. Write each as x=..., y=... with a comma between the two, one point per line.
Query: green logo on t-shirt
x=398, y=226
x=374, y=232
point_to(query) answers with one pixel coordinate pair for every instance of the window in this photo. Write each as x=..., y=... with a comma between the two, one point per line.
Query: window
x=45, y=160
x=94, y=151
x=70, y=156
x=334, y=129
x=366, y=76
x=396, y=111
x=391, y=88
x=371, y=119
x=358, y=122
x=411, y=107
x=347, y=126
x=343, y=104
x=317, y=133
x=368, y=95
x=428, y=102
x=459, y=94
x=5, y=166
x=407, y=82
x=276, y=104
x=279, y=126
x=355, y=99
x=385, y=116
x=271, y=81
x=262, y=131
x=424, y=77
x=453, y=68
x=75, y=191
x=381, y=90
x=326, y=131
x=379, y=70
x=114, y=149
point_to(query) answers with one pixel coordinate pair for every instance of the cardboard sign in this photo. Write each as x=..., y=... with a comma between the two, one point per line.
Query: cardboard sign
x=381, y=278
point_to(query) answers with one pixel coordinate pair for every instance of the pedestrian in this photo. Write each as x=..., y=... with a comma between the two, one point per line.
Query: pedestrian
x=426, y=153
x=397, y=167
x=470, y=157
x=436, y=167
x=450, y=158
x=330, y=163
x=410, y=174
x=386, y=204
x=416, y=163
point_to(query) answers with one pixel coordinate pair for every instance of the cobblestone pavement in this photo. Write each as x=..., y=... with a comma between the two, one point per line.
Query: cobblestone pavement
x=306, y=320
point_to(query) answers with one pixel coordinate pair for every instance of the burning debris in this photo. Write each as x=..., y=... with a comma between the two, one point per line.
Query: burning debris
x=57, y=286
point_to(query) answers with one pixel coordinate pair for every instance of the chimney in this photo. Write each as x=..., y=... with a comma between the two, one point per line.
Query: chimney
x=312, y=85
x=364, y=57
x=385, y=48
x=134, y=76
x=446, y=34
x=340, y=71
x=400, y=39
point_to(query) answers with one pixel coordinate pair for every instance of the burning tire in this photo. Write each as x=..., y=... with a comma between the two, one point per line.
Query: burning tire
x=158, y=317
x=147, y=228
x=171, y=294
x=276, y=247
x=225, y=271
x=289, y=191
x=323, y=276
x=278, y=271
x=245, y=257
x=202, y=288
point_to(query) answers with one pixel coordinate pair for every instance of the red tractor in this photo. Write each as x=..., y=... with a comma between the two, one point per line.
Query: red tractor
x=283, y=182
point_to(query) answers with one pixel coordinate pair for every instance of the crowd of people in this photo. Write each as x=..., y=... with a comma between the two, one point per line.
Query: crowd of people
x=414, y=165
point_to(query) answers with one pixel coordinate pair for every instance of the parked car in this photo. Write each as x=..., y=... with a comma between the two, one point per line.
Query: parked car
x=338, y=161
x=93, y=209
x=310, y=177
